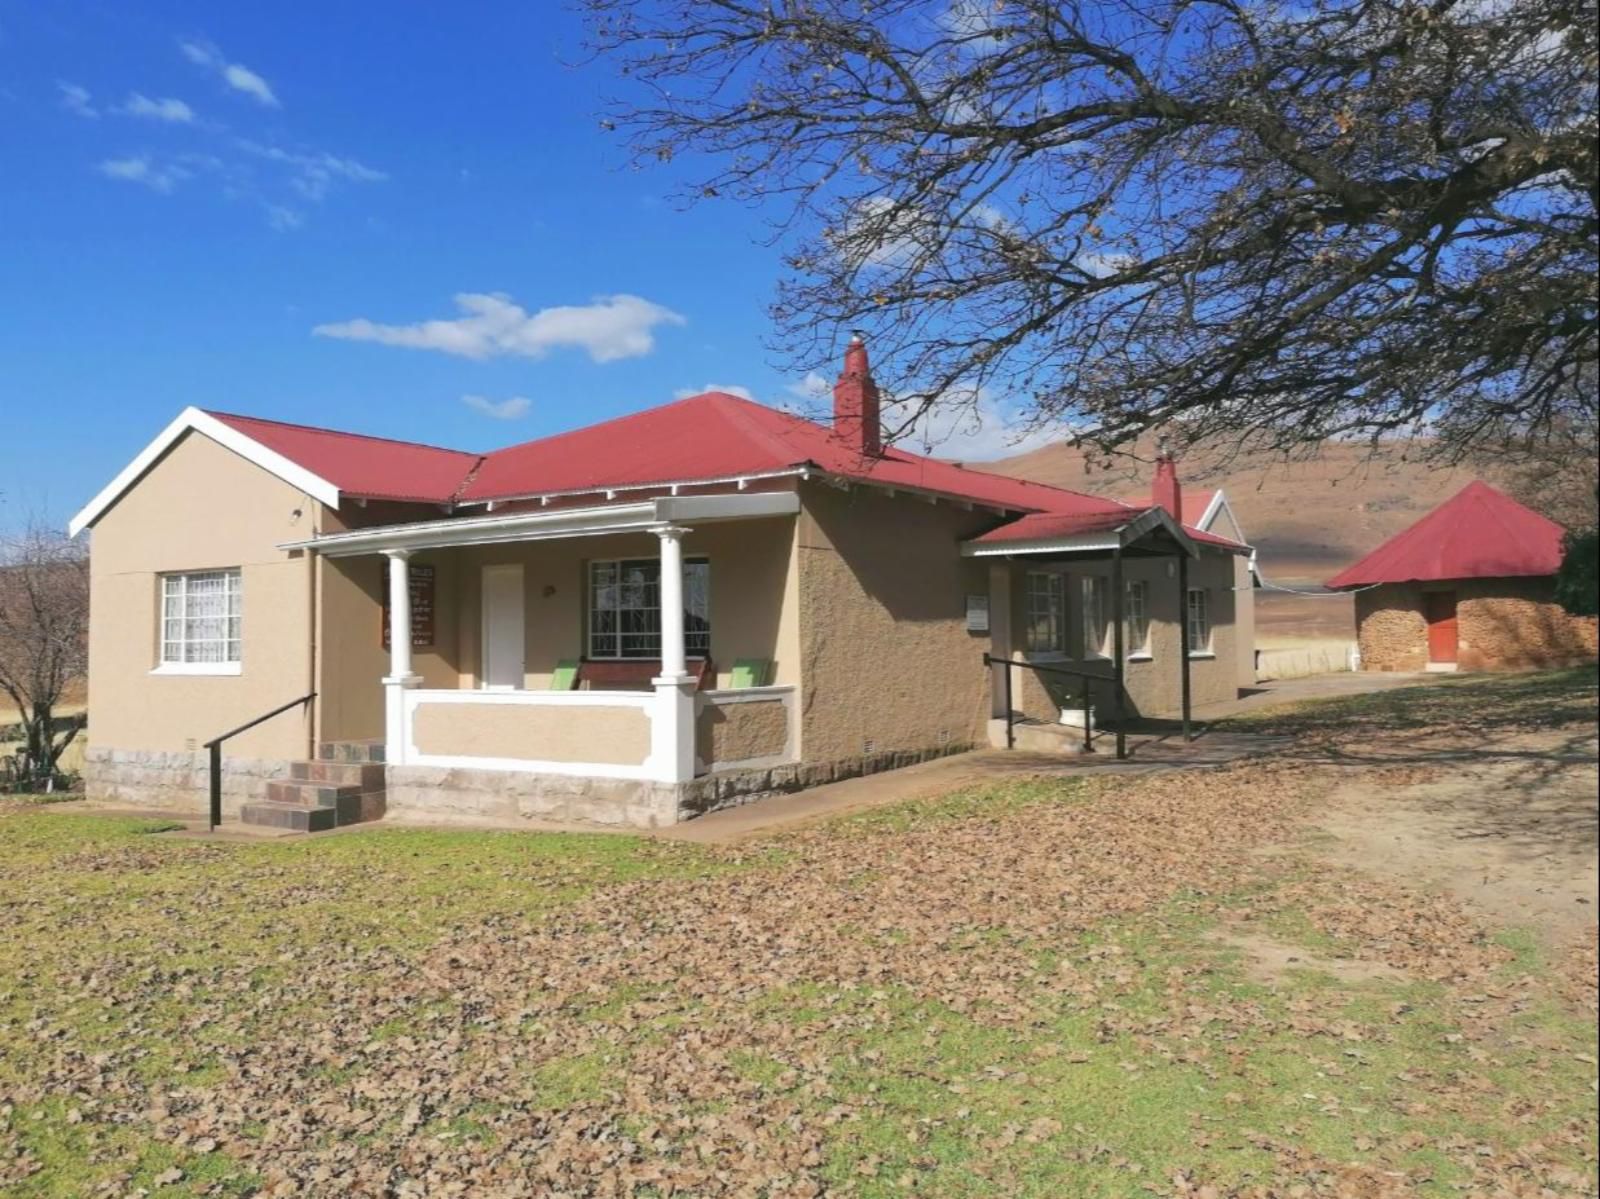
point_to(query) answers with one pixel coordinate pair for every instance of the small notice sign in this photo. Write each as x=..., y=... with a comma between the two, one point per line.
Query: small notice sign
x=422, y=610
x=977, y=613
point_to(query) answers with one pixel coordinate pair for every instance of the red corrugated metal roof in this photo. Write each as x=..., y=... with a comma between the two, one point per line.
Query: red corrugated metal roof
x=1052, y=526
x=1478, y=533
x=719, y=436
x=361, y=466
x=706, y=437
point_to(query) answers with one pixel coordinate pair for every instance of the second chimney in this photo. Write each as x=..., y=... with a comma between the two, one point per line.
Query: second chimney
x=1166, y=492
x=855, y=402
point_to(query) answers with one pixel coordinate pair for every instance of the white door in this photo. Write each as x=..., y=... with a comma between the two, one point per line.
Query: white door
x=502, y=628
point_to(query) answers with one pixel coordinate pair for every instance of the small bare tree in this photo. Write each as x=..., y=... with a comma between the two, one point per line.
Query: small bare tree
x=44, y=625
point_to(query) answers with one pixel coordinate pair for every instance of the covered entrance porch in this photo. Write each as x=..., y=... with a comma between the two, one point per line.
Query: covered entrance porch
x=595, y=658
x=1101, y=623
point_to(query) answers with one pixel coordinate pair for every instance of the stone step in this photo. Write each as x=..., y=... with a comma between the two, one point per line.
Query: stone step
x=351, y=751
x=368, y=776
x=1038, y=737
x=298, y=817
x=350, y=803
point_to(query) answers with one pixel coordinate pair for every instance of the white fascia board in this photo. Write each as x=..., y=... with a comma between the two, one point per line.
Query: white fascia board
x=194, y=420
x=1057, y=545
x=542, y=525
x=742, y=506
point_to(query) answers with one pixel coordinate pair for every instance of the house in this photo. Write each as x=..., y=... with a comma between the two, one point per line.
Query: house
x=1215, y=515
x=1470, y=586
x=629, y=623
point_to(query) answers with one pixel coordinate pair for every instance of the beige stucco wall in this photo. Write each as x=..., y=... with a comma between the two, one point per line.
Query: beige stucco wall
x=887, y=663
x=1244, y=598
x=739, y=732
x=618, y=736
x=1502, y=624
x=1153, y=684
x=200, y=507
x=754, y=601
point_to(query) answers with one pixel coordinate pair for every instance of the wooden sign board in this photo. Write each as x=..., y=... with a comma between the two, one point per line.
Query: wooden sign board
x=422, y=608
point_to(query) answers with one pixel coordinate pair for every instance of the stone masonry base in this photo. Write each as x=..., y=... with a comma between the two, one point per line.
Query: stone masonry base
x=174, y=780
x=177, y=782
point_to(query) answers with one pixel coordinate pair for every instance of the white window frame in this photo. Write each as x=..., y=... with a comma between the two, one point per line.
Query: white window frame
x=692, y=639
x=1045, y=597
x=178, y=654
x=1095, y=622
x=1137, y=611
x=1197, y=611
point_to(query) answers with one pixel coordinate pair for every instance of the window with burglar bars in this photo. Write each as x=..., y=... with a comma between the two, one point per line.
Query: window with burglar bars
x=1138, y=613
x=1199, y=617
x=625, y=608
x=200, y=618
x=1046, y=630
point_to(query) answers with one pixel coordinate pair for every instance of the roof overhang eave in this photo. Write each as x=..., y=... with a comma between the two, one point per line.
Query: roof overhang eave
x=1101, y=541
x=549, y=526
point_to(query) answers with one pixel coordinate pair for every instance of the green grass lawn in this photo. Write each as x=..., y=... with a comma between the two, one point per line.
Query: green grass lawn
x=1043, y=989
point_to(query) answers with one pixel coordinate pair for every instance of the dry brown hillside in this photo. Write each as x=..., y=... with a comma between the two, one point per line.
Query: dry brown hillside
x=1307, y=519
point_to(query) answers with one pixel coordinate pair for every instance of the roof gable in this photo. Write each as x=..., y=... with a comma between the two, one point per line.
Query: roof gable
x=1478, y=533
x=193, y=420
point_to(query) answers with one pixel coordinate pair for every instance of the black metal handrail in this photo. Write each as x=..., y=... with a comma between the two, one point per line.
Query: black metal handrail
x=214, y=747
x=1087, y=678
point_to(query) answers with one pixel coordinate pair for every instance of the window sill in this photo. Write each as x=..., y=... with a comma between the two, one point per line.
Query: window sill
x=1141, y=657
x=198, y=668
x=1201, y=655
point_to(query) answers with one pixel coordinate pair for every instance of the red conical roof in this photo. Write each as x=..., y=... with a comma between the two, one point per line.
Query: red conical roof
x=1478, y=533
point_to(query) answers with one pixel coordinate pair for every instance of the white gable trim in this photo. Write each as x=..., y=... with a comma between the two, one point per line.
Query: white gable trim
x=193, y=420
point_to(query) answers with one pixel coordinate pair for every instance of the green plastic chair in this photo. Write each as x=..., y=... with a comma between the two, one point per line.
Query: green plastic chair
x=565, y=675
x=749, y=672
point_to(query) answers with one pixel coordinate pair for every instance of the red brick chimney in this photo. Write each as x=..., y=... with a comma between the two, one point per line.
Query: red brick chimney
x=1166, y=492
x=855, y=402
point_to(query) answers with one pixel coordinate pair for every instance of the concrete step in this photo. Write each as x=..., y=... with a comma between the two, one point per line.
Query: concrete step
x=351, y=751
x=1037, y=737
x=296, y=817
x=367, y=776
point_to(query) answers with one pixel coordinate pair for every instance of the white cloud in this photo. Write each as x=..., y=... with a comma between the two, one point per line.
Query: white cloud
x=733, y=389
x=612, y=327
x=165, y=109
x=969, y=429
x=143, y=170
x=76, y=100
x=237, y=76
x=284, y=220
x=313, y=172
x=509, y=409
x=1103, y=266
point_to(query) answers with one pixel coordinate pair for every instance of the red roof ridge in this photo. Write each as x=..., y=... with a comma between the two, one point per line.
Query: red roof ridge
x=323, y=429
x=739, y=408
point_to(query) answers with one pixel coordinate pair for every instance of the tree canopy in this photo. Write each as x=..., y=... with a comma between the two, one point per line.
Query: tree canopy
x=1266, y=221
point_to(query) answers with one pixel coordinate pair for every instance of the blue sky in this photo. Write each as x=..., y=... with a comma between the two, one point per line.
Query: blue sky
x=189, y=191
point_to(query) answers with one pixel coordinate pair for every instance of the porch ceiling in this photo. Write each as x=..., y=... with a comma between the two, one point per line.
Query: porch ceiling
x=545, y=526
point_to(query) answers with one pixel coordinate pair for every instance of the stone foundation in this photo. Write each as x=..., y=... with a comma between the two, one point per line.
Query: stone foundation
x=178, y=781
x=441, y=793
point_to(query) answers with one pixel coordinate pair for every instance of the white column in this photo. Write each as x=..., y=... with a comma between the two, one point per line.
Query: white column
x=672, y=730
x=399, y=679
x=674, y=660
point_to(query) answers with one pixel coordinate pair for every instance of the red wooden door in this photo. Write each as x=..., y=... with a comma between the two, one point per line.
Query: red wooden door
x=1440, y=609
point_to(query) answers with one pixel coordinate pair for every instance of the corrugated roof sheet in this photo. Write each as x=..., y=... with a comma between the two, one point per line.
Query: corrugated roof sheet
x=362, y=466
x=1478, y=533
